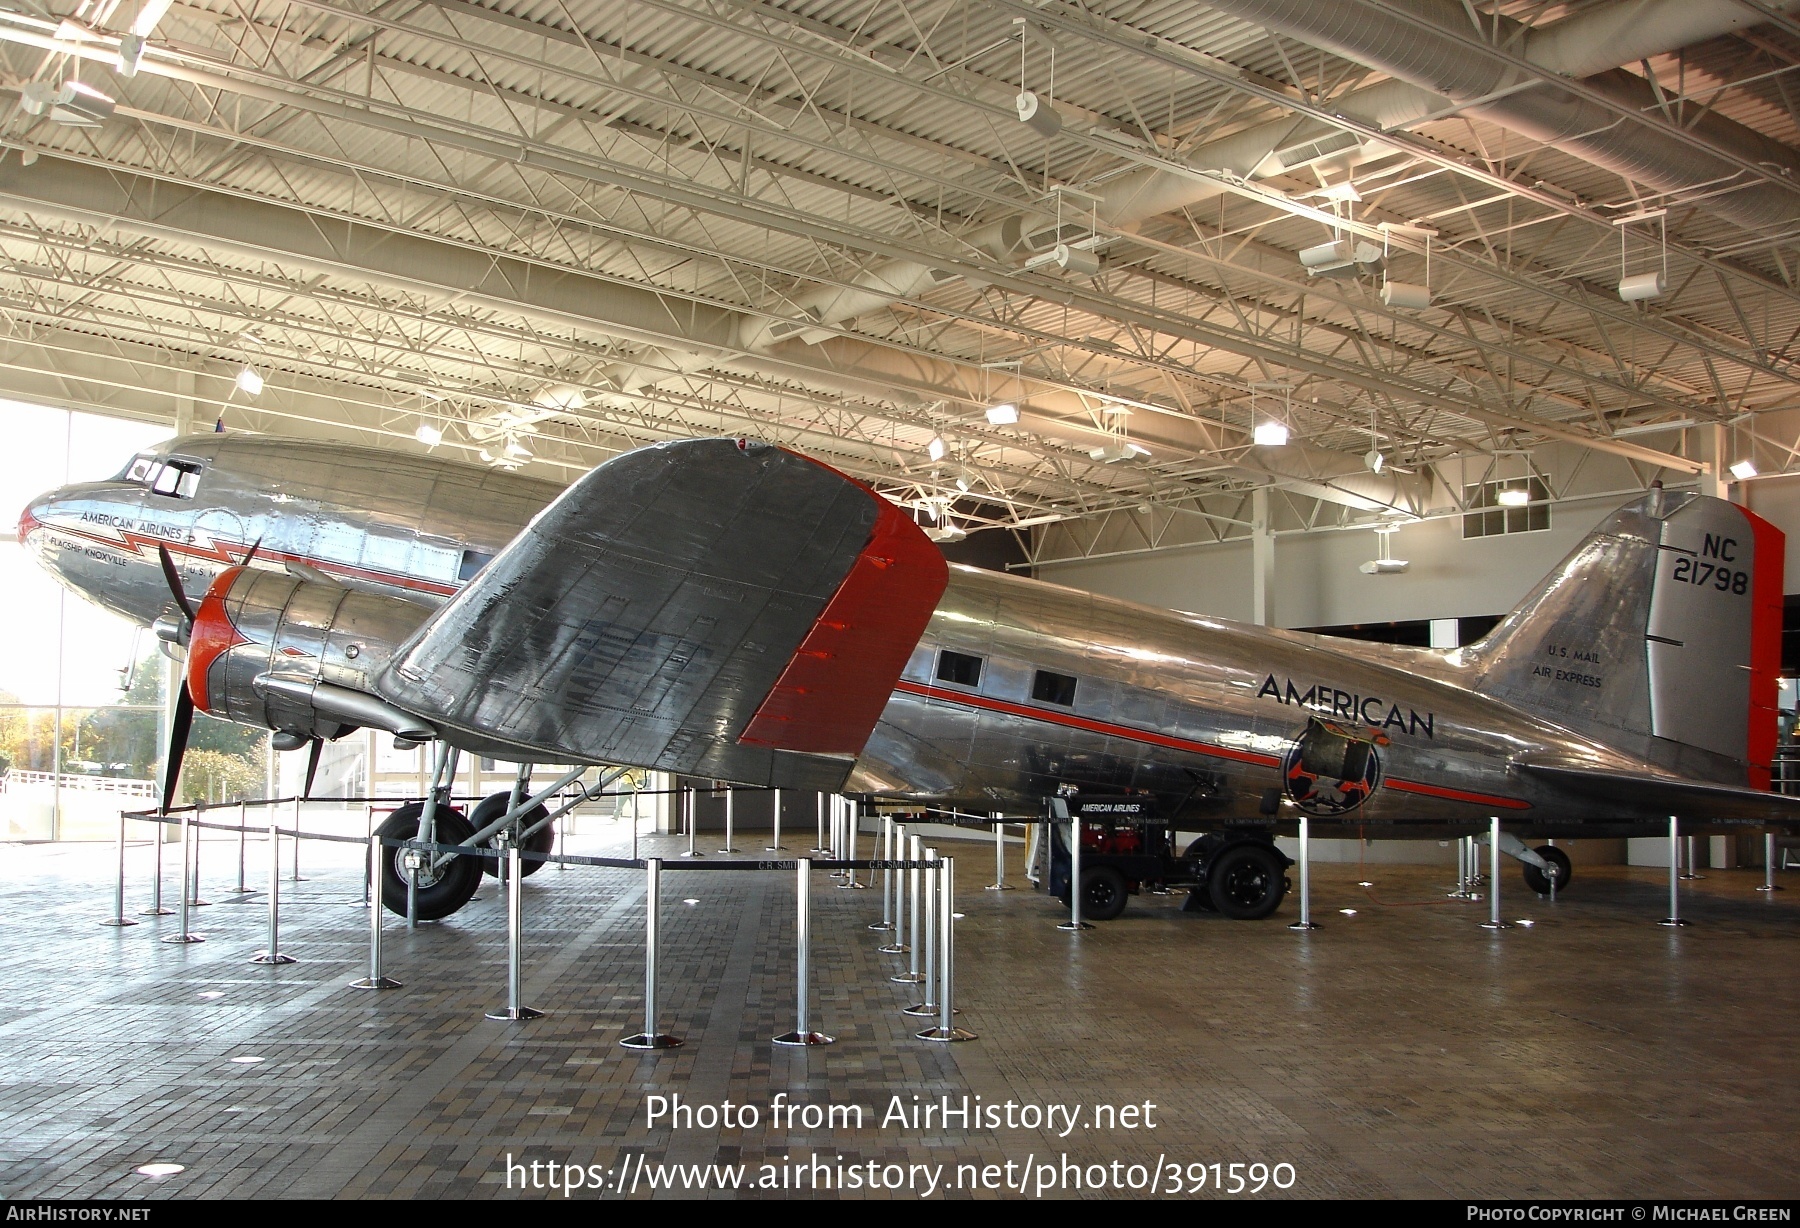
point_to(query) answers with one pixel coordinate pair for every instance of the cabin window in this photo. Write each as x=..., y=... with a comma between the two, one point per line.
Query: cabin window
x=959, y=667
x=472, y=563
x=178, y=479
x=1051, y=688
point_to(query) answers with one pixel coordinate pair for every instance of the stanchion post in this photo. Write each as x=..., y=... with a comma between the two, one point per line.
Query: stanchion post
x=650, y=1038
x=1674, y=919
x=730, y=818
x=273, y=954
x=193, y=831
x=156, y=908
x=946, y=1029
x=297, y=877
x=896, y=888
x=999, y=883
x=119, y=920
x=803, y=1033
x=515, y=923
x=820, y=846
x=884, y=849
x=243, y=834
x=1768, y=883
x=693, y=809
x=914, y=854
x=377, y=978
x=1075, y=924
x=1306, y=922
x=774, y=845
x=1461, y=890
x=1693, y=871
x=186, y=892
x=1494, y=922
x=848, y=806
x=933, y=885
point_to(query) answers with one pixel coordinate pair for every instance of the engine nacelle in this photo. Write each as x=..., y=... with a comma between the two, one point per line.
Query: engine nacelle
x=298, y=656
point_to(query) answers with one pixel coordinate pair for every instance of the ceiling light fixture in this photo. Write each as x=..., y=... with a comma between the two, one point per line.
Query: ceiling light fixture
x=1270, y=434
x=1744, y=470
x=1641, y=287
x=249, y=382
x=1387, y=564
x=1513, y=496
x=428, y=435
x=1112, y=453
x=936, y=449
x=1002, y=415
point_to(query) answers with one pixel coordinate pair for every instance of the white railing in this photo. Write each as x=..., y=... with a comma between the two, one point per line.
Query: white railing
x=87, y=784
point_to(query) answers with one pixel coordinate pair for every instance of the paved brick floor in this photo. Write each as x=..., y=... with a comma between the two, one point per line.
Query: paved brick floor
x=1398, y=1051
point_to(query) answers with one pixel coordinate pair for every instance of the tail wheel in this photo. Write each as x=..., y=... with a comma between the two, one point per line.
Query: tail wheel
x=1538, y=881
x=541, y=841
x=1246, y=882
x=441, y=890
x=1103, y=893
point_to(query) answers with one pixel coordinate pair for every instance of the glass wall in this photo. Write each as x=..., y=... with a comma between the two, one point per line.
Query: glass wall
x=81, y=691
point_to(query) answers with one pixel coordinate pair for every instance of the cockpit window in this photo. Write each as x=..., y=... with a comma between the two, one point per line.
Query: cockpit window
x=138, y=470
x=178, y=479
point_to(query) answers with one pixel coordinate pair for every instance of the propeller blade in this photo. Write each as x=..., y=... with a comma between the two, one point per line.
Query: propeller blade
x=312, y=765
x=245, y=561
x=179, y=729
x=174, y=579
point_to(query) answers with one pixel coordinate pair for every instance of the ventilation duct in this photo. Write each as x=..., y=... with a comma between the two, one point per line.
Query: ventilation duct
x=1442, y=61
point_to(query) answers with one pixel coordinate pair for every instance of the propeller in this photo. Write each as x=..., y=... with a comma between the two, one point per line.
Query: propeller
x=183, y=722
x=312, y=765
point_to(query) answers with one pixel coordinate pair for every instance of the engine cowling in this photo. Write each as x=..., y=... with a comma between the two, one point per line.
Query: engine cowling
x=298, y=656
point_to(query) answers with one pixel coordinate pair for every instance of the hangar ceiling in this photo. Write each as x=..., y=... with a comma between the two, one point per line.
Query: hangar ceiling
x=542, y=231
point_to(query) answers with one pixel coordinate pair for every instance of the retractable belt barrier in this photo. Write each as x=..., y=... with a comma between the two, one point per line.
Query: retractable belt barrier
x=930, y=872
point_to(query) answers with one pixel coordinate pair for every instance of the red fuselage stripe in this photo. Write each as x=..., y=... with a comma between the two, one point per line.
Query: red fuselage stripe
x=134, y=543
x=1070, y=721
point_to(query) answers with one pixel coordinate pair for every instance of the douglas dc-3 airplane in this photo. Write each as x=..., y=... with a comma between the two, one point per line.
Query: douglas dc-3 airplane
x=732, y=610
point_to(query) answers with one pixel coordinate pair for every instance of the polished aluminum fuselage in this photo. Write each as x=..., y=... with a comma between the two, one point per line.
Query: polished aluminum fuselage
x=1199, y=711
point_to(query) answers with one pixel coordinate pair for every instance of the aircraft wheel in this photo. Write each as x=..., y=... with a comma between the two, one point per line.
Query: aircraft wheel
x=442, y=892
x=1246, y=882
x=542, y=841
x=1538, y=881
x=1103, y=893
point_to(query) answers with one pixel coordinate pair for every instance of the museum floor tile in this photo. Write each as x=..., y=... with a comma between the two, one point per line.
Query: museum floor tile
x=1400, y=1050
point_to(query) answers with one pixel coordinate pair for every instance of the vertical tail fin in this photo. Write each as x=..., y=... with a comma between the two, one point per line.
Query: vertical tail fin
x=1660, y=634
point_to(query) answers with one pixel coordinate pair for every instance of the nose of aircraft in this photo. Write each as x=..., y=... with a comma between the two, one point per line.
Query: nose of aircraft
x=34, y=515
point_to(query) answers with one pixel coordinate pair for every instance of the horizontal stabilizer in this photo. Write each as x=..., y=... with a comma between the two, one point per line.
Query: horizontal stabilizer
x=713, y=607
x=1686, y=799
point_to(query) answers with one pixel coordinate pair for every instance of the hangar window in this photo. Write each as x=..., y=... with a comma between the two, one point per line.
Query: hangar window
x=1495, y=508
x=959, y=667
x=1051, y=688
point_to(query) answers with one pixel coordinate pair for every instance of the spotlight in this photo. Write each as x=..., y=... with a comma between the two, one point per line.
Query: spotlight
x=1384, y=567
x=935, y=449
x=518, y=450
x=1002, y=415
x=249, y=382
x=1338, y=251
x=1112, y=453
x=1744, y=470
x=1405, y=294
x=1642, y=286
x=1038, y=115
x=1374, y=460
x=1514, y=496
x=428, y=435
x=1270, y=434
x=131, y=50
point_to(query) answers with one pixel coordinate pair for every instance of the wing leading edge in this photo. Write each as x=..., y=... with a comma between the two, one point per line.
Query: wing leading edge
x=1692, y=800
x=713, y=607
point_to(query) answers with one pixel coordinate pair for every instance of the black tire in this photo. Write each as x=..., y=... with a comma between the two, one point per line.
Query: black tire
x=456, y=881
x=1536, y=878
x=1103, y=893
x=1246, y=882
x=542, y=841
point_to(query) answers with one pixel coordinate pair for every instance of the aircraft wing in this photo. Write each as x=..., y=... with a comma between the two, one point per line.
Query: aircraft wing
x=1688, y=799
x=714, y=607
